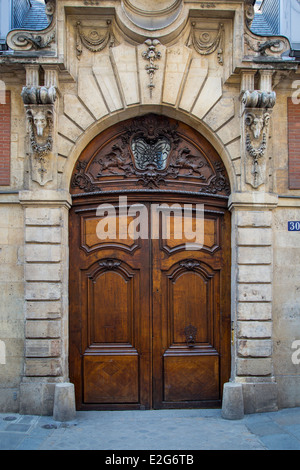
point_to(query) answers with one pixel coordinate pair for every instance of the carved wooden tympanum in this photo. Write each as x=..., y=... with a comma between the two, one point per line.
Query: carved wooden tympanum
x=151, y=152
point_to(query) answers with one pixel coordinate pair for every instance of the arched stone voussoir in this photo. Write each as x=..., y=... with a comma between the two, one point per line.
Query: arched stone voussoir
x=99, y=126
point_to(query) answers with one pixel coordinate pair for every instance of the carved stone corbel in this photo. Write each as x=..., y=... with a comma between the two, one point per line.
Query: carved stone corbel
x=257, y=112
x=39, y=107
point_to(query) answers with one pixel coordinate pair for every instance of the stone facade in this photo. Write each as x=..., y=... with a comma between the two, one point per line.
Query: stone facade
x=99, y=63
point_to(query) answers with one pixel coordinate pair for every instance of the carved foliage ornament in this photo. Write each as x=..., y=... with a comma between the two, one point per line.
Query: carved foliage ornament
x=92, y=39
x=151, y=55
x=152, y=153
x=110, y=264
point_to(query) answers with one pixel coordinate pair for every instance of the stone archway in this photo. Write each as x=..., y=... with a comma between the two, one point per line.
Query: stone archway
x=115, y=356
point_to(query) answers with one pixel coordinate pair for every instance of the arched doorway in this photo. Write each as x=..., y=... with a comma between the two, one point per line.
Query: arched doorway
x=149, y=269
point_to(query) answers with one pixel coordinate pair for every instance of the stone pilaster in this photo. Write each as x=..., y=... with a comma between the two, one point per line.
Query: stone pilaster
x=46, y=298
x=252, y=247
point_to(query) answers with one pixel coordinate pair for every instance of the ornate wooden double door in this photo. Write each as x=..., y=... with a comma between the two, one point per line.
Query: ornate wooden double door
x=149, y=270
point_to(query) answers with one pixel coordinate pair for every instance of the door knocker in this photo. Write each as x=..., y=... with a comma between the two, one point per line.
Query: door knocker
x=190, y=334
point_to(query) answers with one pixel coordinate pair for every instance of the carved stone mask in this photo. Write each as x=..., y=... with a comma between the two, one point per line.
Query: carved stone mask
x=40, y=122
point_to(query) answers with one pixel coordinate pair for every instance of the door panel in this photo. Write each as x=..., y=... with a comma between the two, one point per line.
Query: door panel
x=185, y=309
x=111, y=309
x=187, y=318
x=191, y=378
x=111, y=379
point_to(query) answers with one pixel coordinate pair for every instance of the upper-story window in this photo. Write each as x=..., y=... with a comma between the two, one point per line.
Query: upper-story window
x=21, y=14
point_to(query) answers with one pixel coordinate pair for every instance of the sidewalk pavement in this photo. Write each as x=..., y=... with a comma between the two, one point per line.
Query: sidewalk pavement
x=173, y=430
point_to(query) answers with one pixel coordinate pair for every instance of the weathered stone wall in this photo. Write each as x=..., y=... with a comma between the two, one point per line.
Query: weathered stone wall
x=286, y=311
x=11, y=302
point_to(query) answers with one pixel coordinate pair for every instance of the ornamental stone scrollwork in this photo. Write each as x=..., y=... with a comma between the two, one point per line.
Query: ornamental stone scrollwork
x=261, y=48
x=249, y=12
x=93, y=39
x=23, y=40
x=259, y=99
x=206, y=43
x=39, y=107
x=258, y=109
x=38, y=95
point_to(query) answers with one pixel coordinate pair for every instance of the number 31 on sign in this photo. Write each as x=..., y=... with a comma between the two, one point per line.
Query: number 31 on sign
x=294, y=226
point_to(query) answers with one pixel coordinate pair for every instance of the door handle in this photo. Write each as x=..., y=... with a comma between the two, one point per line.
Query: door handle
x=190, y=332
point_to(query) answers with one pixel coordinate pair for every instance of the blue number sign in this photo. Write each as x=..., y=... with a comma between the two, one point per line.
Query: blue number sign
x=294, y=226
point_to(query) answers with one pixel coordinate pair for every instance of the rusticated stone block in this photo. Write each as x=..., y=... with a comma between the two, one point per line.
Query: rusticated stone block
x=255, y=292
x=254, y=348
x=43, y=291
x=43, y=367
x=255, y=236
x=43, y=310
x=43, y=216
x=42, y=272
x=254, y=311
x=43, y=234
x=254, y=329
x=42, y=348
x=42, y=253
x=254, y=367
x=43, y=329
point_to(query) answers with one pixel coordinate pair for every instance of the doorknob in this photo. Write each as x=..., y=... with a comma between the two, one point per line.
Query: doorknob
x=190, y=332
